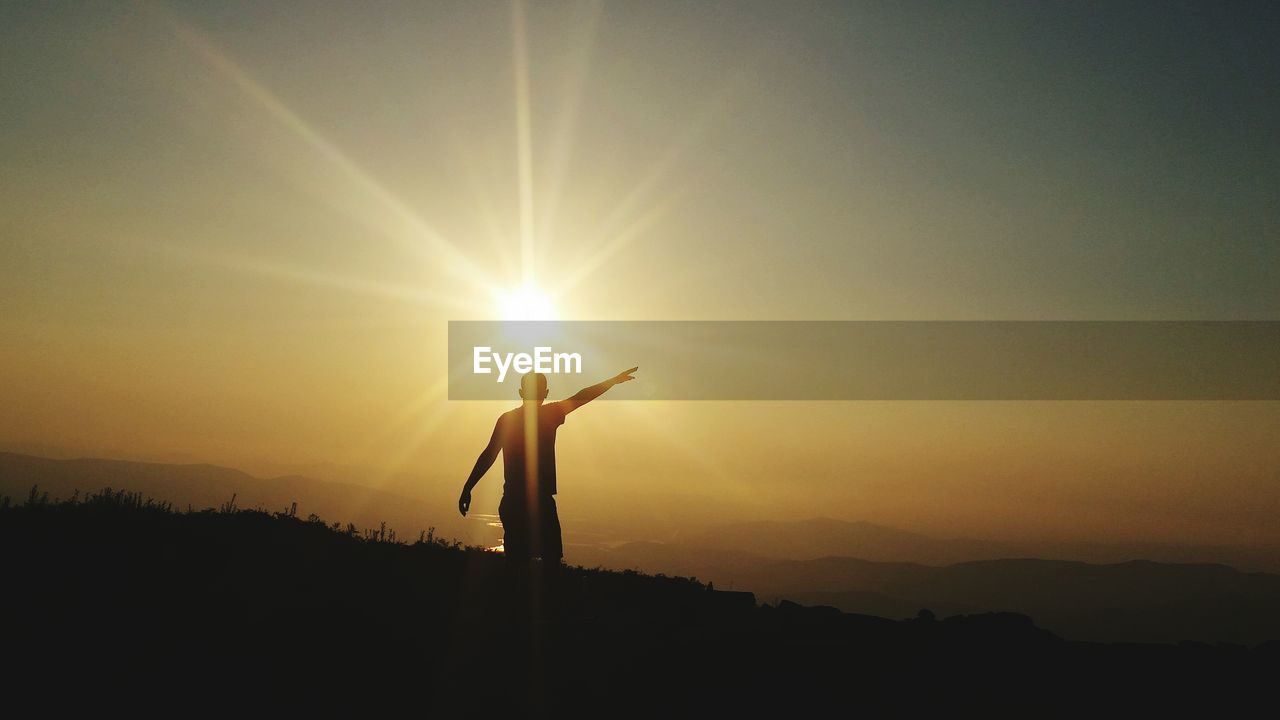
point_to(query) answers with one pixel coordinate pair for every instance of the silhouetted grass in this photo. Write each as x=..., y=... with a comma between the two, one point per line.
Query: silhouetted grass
x=117, y=597
x=109, y=500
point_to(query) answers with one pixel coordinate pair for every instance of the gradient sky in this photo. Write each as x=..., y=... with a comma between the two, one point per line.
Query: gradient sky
x=234, y=232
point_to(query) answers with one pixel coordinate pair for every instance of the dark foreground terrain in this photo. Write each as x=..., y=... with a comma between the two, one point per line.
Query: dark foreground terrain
x=114, y=602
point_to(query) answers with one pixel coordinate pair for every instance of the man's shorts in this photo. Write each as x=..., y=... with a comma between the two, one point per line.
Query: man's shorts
x=530, y=531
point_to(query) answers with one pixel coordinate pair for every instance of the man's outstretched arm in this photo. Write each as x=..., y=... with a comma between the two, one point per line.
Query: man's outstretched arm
x=586, y=395
x=483, y=463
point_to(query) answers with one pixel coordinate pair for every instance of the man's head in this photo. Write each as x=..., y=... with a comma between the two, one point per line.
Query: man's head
x=533, y=387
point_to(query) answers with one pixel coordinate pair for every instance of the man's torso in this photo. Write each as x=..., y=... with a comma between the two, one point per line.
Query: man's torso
x=530, y=426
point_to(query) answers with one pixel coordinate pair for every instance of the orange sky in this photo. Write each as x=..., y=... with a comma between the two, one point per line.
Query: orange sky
x=235, y=235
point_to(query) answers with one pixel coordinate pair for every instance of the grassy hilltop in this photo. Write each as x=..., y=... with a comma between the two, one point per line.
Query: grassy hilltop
x=114, y=600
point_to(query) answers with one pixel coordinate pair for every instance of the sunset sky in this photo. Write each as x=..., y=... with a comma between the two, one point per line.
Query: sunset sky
x=235, y=232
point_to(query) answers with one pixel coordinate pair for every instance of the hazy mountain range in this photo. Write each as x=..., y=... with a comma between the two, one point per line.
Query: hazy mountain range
x=1134, y=601
x=822, y=537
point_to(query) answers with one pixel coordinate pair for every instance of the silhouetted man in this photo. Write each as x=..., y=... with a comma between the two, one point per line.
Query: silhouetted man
x=527, y=438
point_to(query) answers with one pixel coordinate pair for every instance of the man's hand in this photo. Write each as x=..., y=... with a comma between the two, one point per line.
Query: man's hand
x=464, y=502
x=586, y=395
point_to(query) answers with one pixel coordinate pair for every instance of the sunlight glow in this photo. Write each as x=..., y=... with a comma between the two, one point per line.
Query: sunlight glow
x=525, y=303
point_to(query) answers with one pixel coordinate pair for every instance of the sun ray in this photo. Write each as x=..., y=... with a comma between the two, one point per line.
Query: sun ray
x=268, y=268
x=561, y=150
x=434, y=393
x=430, y=401
x=423, y=241
x=292, y=273
x=632, y=221
x=619, y=243
x=499, y=239
x=421, y=432
x=524, y=150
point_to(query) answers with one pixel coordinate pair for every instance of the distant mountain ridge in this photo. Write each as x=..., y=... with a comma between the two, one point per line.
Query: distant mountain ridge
x=821, y=537
x=1134, y=601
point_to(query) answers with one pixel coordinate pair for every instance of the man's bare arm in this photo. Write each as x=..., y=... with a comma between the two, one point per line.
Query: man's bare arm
x=483, y=463
x=586, y=395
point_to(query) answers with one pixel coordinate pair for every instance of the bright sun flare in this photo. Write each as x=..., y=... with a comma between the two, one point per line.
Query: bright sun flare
x=526, y=303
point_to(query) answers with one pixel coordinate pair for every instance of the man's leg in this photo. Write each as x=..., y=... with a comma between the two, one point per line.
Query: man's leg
x=552, y=543
x=515, y=531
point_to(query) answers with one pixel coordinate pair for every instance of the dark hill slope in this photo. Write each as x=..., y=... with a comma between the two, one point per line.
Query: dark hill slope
x=116, y=604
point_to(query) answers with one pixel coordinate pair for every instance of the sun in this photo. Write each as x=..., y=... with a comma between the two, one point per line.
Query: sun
x=525, y=303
